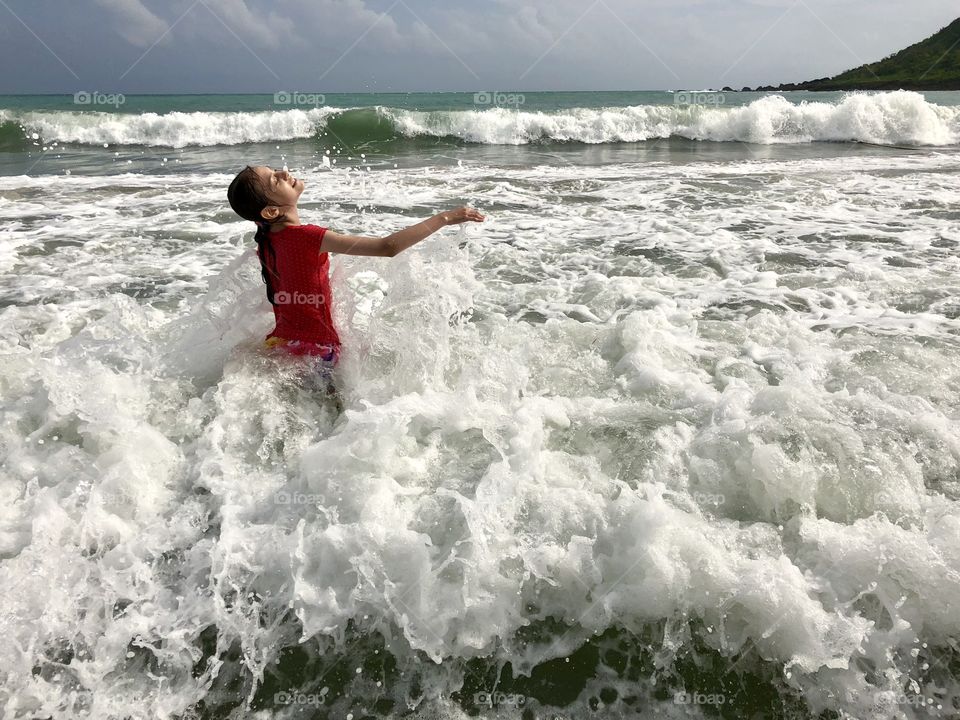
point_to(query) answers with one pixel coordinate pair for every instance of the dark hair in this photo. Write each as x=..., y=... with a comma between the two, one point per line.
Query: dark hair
x=247, y=196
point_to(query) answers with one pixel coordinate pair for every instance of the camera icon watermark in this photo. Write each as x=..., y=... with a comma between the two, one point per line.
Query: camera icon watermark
x=704, y=99
x=299, y=99
x=887, y=498
x=299, y=698
x=498, y=698
x=499, y=99
x=695, y=698
x=95, y=98
x=282, y=497
x=298, y=298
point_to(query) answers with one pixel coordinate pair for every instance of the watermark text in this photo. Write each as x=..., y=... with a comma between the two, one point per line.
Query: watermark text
x=708, y=99
x=499, y=99
x=493, y=699
x=83, y=97
x=299, y=99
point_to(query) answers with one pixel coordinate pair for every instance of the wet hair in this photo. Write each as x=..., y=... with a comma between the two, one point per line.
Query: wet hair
x=248, y=197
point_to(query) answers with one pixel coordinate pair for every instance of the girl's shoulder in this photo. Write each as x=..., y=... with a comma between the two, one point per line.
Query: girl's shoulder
x=301, y=238
x=302, y=231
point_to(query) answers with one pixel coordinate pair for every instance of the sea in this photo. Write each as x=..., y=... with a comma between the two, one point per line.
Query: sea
x=672, y=434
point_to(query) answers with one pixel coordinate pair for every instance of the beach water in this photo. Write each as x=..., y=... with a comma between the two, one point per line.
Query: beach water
x=672, y=434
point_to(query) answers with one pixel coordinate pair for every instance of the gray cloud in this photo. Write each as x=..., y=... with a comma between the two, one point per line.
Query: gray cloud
x=351, y=45
x=134, y=22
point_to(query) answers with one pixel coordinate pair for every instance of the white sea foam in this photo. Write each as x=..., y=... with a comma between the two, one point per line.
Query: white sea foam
x=174, y=129
x=891, y=118
x=734, y=407
x=886, y=118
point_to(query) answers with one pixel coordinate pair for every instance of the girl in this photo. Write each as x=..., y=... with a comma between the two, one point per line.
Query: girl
x=294, y=263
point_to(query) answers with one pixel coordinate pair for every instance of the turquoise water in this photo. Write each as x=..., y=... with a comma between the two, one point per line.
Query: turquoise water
x=545, y=101
x=542, y=101
x=204, y=133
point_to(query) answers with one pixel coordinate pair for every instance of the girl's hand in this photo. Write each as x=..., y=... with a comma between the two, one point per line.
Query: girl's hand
x=461, y=215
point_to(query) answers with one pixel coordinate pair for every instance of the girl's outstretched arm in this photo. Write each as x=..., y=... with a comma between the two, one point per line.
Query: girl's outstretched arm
x=399, y=241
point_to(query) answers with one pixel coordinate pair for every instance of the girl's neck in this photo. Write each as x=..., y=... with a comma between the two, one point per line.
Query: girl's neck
x=290, y=219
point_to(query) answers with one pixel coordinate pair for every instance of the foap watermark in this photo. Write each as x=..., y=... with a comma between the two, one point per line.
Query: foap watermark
x=116, y=497
x=283, y=497
x=705, y=98
x=95, y=98
x=299, y=99
x=493, y=699
x=695, y=698
x=888, y=499
x=298, y=298
x=702, y=498
x=499, y=99
x=916, y=701
x=299, y=698
x=886, y=698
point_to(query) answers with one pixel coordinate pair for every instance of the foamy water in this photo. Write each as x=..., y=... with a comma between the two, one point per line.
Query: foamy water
x=885, y=118
x=670, y=440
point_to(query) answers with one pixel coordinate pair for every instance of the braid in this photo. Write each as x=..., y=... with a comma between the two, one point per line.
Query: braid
x=264, y=246
x=248, y=197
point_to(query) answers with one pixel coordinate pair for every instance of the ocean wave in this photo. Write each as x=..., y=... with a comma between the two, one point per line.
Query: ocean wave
x=887, y=118
x=175, y=129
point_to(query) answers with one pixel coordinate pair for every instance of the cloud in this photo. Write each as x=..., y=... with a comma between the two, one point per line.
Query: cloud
x=351, y=45
x=135, y=23
x=307, y=23
x=266, y=29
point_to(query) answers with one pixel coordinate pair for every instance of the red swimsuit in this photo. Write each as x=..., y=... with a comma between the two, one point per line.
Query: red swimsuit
x=302, y=301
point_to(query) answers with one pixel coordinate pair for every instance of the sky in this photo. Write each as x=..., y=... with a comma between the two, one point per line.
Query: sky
x=327, y=46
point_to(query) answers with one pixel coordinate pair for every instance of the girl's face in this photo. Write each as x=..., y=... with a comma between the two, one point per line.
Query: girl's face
x=282, y=188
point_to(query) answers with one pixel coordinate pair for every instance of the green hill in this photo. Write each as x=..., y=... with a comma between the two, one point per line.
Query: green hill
x=932, y=64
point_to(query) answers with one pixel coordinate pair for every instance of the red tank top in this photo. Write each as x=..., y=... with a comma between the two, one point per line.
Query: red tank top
x=300, y=274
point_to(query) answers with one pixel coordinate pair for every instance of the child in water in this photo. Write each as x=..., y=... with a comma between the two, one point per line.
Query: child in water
x=294, y=262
